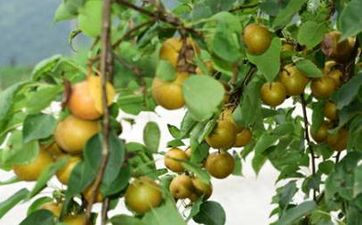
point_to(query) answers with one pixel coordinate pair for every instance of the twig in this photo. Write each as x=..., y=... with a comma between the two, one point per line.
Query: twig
x=161, y=16
x=338, y=156
x=106, y=69
x=105, y=208
x=306, y=136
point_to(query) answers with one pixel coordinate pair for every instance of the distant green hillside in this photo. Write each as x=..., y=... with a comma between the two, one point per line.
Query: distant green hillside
x=28, y=33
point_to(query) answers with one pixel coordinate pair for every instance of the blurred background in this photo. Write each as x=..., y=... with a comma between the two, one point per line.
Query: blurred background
x=28, y=35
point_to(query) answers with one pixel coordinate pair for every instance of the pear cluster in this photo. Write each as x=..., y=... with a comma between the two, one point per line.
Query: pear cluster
x=70, y=137
x=169, y=94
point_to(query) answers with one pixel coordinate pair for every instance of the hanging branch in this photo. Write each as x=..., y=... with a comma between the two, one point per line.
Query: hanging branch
x=106, y=71
x=307, y=138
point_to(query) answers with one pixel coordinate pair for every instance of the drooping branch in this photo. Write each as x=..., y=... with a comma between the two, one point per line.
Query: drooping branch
x=106, y=65
x=307, y=138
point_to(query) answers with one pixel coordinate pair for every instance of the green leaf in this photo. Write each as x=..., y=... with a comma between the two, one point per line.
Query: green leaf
x=8, y=204
x=131, y=103
x=195, y=169
x=357, y=187
x=174, y=131
x=283, y=129
x=226, y=45
x=45, y=66
x=38, y=126
x=340, y=182
x=286, y=14
x=167, y=213
x=326, y=167
x=258, y=162
x=93, y=156
x=238, y=166
x=264, y=142
x=249, y=111
x=126, y=220
x=63, y=13
x=272, y=7
x=309, y=68
x=18, y=152
x=200, y=11
x=90, y=18
x=187, y=124
x=345, y=94
x=6, y=102
x=268, y=63
x=226, y=19
x=211, y=213
x=285, y=194
x=151, y=136
x=203, y=95
x=354, y=215
x=292, y=215
x=42, y=98
x=43, y=217
x=118, y=184
x=348, y=113
x=311, y=33
x=350, y=20
x=80, y=178
x=317, y=116
x=35, y=205
x=9, y=181
x=165, y=71
x=46, y=175
x=175, y=143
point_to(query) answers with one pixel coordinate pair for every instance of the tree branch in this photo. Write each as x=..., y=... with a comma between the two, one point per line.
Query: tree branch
x=106, y=71
x=307, y=138
x=161, y=16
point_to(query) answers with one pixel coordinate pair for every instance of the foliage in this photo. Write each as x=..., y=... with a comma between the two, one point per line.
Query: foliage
x=194, y=55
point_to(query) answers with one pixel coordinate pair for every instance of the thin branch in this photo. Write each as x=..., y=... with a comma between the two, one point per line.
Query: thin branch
x=307, y=138
x=338, y=156
x=105, y=208
x=161, y=16
x=106, y=70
